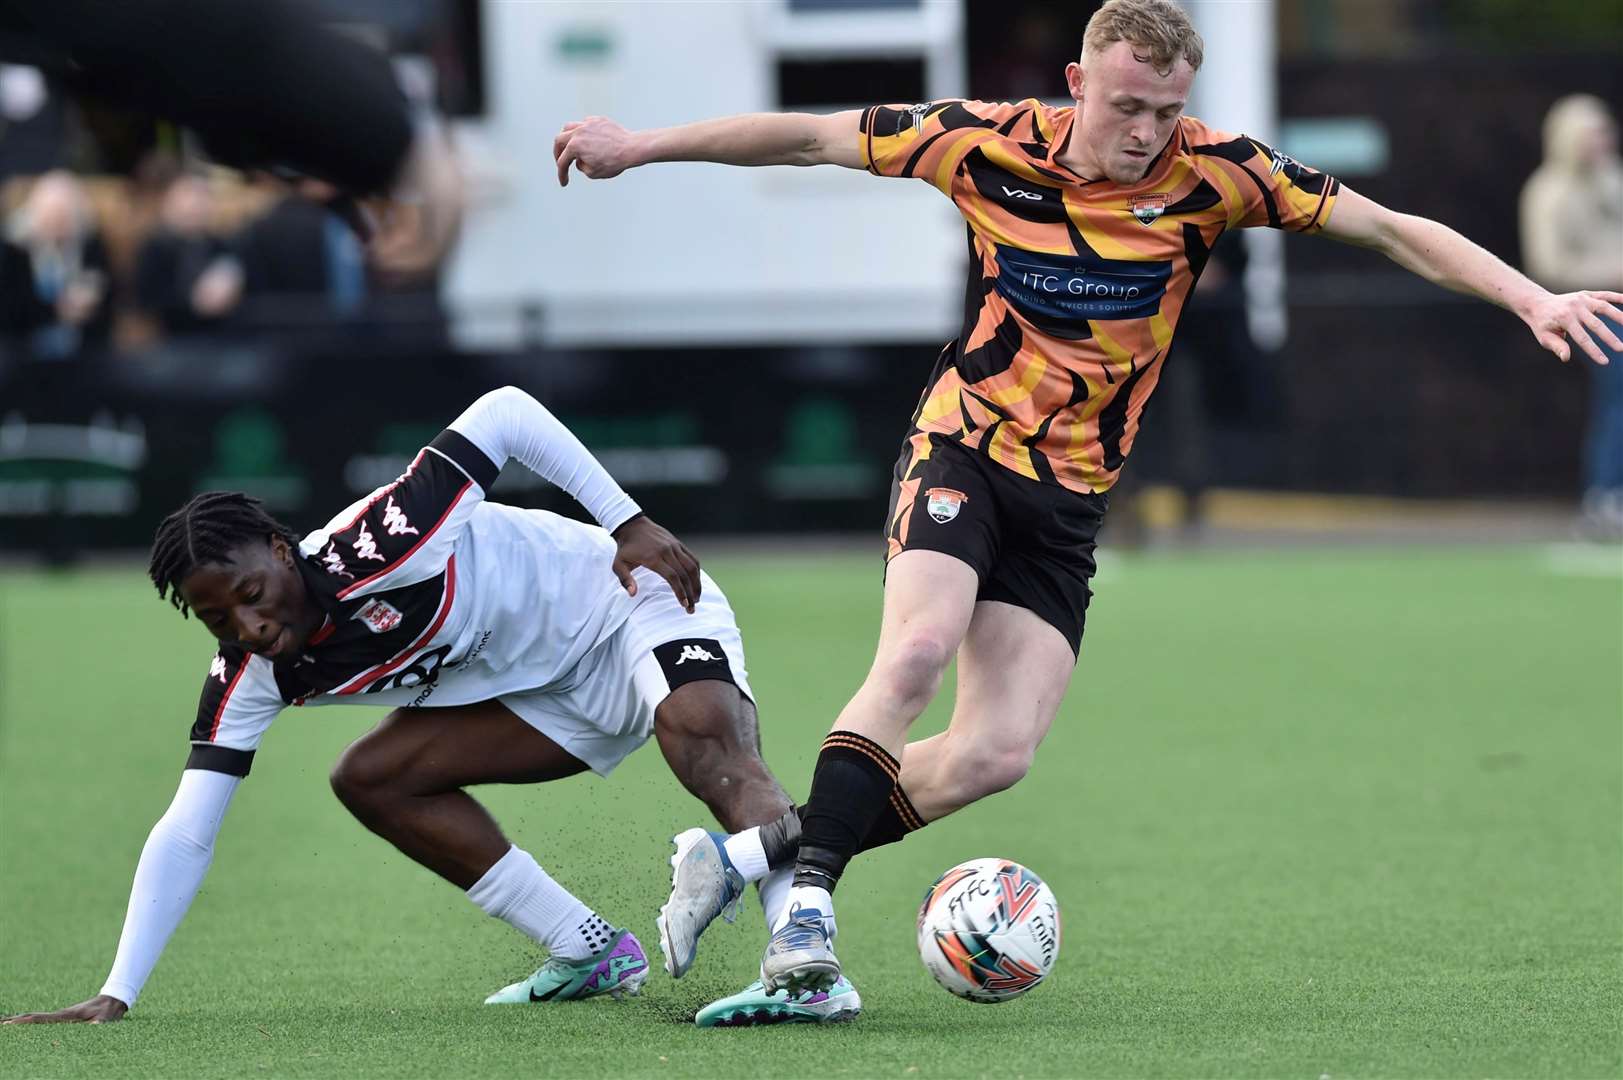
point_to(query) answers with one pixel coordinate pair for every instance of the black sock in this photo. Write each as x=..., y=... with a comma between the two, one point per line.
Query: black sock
x=850, y=789
x=895, y=821
x=780, y=838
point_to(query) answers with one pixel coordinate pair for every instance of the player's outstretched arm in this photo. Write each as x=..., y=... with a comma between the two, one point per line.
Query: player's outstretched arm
x=599, y=148
x=1441, y=255
x=510, y=424
x=173, y=862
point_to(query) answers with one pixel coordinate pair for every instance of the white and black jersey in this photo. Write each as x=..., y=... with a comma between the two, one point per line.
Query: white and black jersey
x=433, y=595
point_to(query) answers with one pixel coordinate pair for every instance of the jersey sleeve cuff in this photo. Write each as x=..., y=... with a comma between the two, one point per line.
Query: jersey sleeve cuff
x=220, y=759
x=465, y=455
x=617, y=513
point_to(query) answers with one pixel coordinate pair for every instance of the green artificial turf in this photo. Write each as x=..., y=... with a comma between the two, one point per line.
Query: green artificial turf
x=1312, y=813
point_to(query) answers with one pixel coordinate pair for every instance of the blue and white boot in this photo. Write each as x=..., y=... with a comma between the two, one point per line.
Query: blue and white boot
x=755, y=1006
x=704, y=884
x=800, y=957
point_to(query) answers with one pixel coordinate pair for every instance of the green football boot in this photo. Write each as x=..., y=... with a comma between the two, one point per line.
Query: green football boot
x=620, y=969
x=754, y=1006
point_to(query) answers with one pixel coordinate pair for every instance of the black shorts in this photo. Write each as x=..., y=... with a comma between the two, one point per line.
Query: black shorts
x=1030, y=543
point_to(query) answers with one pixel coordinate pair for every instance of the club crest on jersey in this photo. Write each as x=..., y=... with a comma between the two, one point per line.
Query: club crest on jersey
x=917, y=113
x=334, y=562
x=217, y=667
x=943, y=504
x=380, y=616
x=394, y=520
x=1146, y=208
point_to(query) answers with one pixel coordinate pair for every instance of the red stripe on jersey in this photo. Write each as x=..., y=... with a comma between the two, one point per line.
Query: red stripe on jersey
x=349, y=590
x=220, y=712
x=366, y=679
x=323, y=633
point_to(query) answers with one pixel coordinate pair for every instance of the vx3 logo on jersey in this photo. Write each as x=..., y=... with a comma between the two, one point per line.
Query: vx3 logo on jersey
x=1018, y=193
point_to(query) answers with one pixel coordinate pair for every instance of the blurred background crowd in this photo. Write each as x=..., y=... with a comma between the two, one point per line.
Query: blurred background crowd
x=176, y=253
x=167, y=323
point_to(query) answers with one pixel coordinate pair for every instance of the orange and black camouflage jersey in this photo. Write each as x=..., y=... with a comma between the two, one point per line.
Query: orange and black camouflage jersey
x=1075, y=286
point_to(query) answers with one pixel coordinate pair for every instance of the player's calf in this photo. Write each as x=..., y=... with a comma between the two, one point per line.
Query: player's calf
x=710, y=738
x=972, y=769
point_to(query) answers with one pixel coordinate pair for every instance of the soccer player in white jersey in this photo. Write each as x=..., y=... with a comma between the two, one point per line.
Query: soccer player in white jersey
x=517, y=646
x=1088, y=226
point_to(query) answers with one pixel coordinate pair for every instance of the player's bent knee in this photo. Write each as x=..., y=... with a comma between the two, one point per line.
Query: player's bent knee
x=910, y=671
x=362, y=778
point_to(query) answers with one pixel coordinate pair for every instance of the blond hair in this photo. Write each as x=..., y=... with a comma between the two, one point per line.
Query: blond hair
x=1158, y=30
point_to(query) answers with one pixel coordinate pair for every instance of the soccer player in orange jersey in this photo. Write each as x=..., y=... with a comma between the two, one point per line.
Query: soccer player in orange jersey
x=1088, y=226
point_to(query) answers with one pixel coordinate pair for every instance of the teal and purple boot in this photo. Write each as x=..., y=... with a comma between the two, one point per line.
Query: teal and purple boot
x=619, y=970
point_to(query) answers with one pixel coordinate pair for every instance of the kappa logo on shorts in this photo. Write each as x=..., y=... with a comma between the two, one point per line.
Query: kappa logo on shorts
x=380, y=616
x=692, y=659
x=694, y=652
x=943, y=504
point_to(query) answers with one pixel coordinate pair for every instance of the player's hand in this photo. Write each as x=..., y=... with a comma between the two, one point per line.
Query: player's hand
x=100, y=1009
x=596, y=146
x=644, y=543
x=1562, y=320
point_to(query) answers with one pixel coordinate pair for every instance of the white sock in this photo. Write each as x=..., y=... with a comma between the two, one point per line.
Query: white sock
x=517, y=891
x=805, y=896
x=747, y=854
x=774, y=889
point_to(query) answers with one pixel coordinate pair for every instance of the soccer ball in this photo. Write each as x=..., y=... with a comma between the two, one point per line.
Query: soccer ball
x=989, y=930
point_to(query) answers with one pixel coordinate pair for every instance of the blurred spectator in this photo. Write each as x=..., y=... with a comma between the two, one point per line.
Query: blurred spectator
x=54, y=280
x=266, y=85
x=308, y=275
x=304, y=265
x=1572, y=238
x=1024, y=58
x=33, y=123
x=187, y=276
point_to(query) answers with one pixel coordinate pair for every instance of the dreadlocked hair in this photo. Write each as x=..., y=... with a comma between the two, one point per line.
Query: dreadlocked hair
x=206, y=530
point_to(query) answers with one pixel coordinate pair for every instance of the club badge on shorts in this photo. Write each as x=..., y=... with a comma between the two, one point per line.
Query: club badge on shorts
x=1146, y=208
x=943, y=503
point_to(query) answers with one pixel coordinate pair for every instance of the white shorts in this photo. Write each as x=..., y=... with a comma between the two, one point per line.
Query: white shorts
x=603, y=709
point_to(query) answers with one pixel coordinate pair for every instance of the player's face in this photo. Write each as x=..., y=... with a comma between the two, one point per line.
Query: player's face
x=256, y=599
x=1125, y=111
